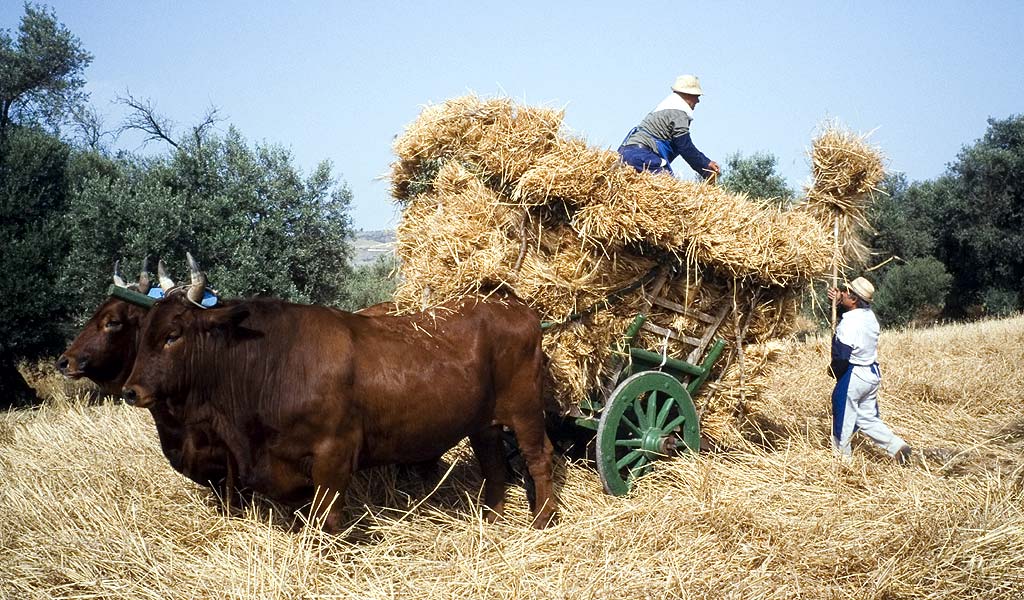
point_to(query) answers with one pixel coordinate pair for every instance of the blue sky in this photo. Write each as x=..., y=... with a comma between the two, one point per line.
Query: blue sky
x=338, y=80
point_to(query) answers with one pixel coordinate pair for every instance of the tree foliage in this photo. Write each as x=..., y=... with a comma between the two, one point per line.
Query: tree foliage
x=983, y=241
x=41, y=71
x=255, y=223
x=915, y=291
x=371, y=284
x=258, y=225
x=970, y=220
x=33, y=195
x=756, y=177
x=905, y=218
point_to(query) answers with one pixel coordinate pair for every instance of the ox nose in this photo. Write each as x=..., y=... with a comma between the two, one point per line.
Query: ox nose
x=130, y=396
x=66, y=366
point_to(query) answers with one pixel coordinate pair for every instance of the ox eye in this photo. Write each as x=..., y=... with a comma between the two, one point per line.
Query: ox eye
x=113, y=325
x=171, y=338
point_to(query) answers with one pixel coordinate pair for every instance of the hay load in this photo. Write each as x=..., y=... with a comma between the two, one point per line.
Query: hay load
x=496, y=195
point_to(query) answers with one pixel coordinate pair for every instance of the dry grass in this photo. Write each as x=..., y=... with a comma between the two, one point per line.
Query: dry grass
x=90, y=509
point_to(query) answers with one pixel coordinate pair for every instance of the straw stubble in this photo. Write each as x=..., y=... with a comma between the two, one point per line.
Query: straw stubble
x=91, y=508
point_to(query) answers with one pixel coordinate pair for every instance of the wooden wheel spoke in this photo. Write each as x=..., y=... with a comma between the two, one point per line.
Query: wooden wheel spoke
x=631, y=425
x=642, y=466
x=628, y=443
x=663, y=413
x=652, y=408
x=676, y=422
x=631, y=457
x=638, y=409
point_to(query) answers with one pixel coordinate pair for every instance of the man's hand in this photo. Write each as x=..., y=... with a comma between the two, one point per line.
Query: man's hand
x=833, y=294
x=712, y=172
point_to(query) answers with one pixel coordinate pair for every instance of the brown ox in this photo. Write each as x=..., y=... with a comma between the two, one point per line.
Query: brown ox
x=302, y=396
x=104, y=352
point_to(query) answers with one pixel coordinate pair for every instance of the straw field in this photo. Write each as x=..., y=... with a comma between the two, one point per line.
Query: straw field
x=89, y=508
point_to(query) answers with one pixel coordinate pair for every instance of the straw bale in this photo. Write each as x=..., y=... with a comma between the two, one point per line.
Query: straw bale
x=735, y=407
x=846, y=172
x=452, y=241
x=519, y=150
x=499, y=137
x=619, y=206
x=572, y=171
x=562, y=273
x=845, y=168
x=578, y=359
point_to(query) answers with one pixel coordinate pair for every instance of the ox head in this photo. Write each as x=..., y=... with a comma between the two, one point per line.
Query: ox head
x=172, y=342
x=105, y=348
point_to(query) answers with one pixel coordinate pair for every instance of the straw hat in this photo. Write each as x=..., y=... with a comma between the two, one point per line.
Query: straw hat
x=687, y=84
x=862, y=288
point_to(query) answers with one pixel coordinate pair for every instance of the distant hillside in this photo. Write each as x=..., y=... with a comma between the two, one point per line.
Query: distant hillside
x=371, y=245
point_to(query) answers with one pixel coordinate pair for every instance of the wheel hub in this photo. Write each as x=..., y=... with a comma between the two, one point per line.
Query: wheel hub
x=656, y=444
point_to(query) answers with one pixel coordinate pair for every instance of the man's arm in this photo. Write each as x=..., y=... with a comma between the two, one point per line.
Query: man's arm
x=840, y=358
x=841, y=352
x=684, y=147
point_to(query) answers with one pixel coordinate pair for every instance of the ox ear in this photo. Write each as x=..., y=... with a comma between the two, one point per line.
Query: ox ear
x=226, y=318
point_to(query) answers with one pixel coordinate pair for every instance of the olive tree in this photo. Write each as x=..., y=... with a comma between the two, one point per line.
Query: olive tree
x=41, y=71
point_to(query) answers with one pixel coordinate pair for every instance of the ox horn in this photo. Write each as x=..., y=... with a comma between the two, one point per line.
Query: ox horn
x=144, y=284
x=198, y=287
x=118, y=280
x=166, y=283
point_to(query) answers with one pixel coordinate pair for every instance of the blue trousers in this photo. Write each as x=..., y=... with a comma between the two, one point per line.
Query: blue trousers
x=643, y=158
x=855, y=408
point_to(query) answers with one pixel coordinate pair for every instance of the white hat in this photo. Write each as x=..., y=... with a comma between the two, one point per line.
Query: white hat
x=862, y=288
x=687, y=84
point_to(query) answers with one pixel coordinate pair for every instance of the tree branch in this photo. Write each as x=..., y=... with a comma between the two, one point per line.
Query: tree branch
x=211, y=118
x=89, y=125
x=145, y=119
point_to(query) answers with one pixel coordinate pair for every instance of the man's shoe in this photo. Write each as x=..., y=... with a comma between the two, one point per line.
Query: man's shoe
x=902, y=455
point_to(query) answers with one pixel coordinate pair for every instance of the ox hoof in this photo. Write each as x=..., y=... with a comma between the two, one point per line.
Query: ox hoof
x=545, y=519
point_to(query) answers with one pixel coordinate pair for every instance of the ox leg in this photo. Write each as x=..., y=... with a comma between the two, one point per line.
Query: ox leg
x=487, y=447
x=537, y=451
x=231, y=496
x=332, y=472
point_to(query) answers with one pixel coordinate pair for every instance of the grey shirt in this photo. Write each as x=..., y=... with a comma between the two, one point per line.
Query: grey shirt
x=669, y=120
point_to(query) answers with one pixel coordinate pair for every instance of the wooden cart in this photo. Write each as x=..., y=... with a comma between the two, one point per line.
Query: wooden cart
x=645, y=411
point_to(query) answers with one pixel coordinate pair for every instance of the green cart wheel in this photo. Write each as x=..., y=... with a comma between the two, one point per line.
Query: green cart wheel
x=649, y=416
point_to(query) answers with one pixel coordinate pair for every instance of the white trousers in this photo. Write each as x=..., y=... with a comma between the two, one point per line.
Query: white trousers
x=855, y=408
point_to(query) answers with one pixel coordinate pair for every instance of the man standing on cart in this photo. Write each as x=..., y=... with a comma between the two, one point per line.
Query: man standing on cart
x=664, y=134
x=855, y=367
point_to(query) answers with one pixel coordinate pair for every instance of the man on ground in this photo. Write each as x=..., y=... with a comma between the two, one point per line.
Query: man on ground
x=855, y=367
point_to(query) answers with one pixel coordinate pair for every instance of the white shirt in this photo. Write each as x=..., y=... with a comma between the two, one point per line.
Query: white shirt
x=675, y=102
x=859, y=329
